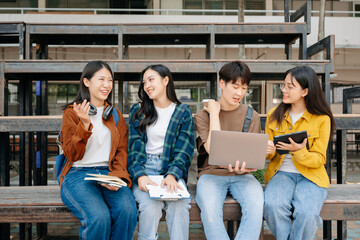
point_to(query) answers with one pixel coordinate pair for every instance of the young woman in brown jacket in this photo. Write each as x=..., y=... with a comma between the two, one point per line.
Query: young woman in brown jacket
x=94, y=144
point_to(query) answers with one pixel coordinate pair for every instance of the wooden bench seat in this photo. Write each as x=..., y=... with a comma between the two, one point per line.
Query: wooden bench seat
x=42, y=204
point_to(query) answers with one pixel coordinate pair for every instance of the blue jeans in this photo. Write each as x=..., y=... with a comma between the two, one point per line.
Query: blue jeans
x=103, y=214
x=292, y=206
x=150, y=210
x=245, y=189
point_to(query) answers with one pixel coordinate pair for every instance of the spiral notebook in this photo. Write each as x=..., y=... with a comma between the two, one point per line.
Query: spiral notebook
x=159, y=193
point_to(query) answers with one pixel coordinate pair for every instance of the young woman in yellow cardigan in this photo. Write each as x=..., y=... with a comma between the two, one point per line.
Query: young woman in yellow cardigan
x=297, y=182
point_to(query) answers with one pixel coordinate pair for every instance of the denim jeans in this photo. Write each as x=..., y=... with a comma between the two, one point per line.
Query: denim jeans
x=103, y=214
x=246, y=190
x=150, y=210
x=292, y=206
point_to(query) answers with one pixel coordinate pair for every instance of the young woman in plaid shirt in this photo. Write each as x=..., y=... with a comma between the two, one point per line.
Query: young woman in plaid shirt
x=161, y=142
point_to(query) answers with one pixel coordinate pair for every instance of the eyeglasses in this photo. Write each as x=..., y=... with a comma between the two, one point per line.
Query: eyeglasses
x=287, y=87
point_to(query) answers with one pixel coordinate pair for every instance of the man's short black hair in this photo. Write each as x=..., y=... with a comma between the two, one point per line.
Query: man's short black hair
x=232, y=71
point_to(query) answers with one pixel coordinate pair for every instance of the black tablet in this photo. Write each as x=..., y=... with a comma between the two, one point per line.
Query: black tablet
x=298, y=137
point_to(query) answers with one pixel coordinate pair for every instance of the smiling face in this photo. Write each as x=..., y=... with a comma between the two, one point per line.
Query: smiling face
x=292, y=91
x=100, y=86
x=232, y=93
x=154, y=84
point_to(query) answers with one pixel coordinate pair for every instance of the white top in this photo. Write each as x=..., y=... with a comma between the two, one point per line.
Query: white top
x=287, y=164
x=156, y=132
x=99, y=144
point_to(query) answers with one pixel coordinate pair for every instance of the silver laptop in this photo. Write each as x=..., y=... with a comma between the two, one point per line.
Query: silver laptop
x=230, y=146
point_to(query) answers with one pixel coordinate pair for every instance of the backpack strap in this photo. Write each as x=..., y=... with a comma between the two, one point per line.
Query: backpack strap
x=116, y=116
x=248, y=118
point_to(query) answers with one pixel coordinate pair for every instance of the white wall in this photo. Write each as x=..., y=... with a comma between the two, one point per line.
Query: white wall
x=345, y=29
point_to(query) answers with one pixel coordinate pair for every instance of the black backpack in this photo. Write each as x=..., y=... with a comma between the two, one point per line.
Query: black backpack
x=202, y=154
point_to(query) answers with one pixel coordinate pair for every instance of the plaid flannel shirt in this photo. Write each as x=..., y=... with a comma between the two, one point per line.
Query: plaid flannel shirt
x=178, y=144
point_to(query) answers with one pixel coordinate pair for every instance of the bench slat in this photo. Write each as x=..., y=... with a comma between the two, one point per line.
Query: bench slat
x=36, y=214
x=43, y=204
x=344, y=194
x=53, y=123
x=30, y=196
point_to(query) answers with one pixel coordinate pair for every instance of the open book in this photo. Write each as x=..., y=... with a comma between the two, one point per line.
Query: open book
x=106, y=179
x=156, y=192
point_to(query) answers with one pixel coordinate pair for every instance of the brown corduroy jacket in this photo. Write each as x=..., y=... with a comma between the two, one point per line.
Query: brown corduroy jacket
x=74, y=138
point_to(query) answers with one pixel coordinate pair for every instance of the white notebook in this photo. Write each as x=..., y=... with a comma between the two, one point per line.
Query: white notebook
x=156, y=192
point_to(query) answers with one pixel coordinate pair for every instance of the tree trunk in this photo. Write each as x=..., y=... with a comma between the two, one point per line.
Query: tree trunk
x=241, y=7
x=321, y=33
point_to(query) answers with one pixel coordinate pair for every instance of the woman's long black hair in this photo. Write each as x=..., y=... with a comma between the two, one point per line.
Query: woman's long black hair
x=147, y=107
x=315, y=100
x=89, y=71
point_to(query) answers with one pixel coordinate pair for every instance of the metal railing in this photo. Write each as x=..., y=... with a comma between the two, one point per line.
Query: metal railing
x=97, y=11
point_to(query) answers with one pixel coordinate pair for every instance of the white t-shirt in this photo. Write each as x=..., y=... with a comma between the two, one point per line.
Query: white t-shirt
x=99, y=144
x=287, y=164
x=156, y=132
